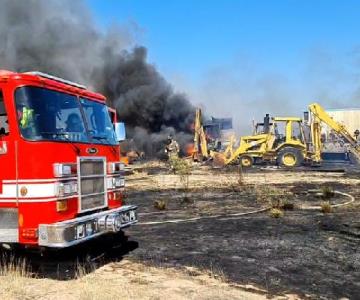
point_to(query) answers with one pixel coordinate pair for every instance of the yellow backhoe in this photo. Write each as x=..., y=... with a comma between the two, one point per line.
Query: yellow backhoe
x=282, y=141
x=285, y=142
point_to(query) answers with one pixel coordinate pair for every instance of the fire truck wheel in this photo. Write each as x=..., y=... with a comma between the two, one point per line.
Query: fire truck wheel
x=246, y=161
x=290, y=157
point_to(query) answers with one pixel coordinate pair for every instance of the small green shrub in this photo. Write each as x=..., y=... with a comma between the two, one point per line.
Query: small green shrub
x=326, y=207
x=273, y=196
x=160, y=204
x=276, y=213
x=327, y=192
x=182, y=168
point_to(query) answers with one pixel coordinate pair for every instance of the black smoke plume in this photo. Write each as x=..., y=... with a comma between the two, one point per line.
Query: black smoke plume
x=60, y=38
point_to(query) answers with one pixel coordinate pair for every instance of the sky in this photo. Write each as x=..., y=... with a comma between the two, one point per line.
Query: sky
x=243, y=58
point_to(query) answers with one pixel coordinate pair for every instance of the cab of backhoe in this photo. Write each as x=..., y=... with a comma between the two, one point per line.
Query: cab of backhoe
x=289, y=144
x=289, y=131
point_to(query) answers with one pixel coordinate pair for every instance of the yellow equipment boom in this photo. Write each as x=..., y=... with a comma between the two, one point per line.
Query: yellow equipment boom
x=200, y=143
x=320, y=115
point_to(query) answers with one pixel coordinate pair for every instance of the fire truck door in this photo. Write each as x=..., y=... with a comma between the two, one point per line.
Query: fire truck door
x=9, y=227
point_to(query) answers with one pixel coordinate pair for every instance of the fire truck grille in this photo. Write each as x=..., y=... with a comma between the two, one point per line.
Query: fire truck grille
x=92, y=167
x=92, y=175
x=92, y=186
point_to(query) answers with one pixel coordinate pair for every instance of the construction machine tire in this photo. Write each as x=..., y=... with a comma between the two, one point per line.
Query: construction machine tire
x=246, y=161
x=290, y=157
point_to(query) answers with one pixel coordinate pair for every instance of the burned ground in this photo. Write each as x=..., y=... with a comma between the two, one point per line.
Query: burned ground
x=305, y=252
x=212, y=229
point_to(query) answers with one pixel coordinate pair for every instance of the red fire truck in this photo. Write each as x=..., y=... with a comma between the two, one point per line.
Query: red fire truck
x=61, y=181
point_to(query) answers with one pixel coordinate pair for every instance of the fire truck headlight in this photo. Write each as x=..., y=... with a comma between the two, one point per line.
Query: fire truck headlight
x=115, y=182
x=64, y=189
x=115, y=167
x=80, y=231
x=43, y=235
x=89, y=228
x=62, y=170
x=119, y=182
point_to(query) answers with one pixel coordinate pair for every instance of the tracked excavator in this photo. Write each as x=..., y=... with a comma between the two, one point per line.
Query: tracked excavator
x=286, y=141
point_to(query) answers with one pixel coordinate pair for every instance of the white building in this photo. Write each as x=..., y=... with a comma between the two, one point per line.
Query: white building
x=350, y=117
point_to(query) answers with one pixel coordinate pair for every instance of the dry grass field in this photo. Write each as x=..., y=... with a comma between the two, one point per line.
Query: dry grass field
x=124, y=280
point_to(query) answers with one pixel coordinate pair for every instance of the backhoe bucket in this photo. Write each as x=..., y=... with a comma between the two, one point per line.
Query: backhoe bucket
x=218, y=159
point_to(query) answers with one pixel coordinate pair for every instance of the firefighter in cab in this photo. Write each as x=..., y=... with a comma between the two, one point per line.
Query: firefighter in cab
x=74, y=123
x=172, y=148
x=26, y=119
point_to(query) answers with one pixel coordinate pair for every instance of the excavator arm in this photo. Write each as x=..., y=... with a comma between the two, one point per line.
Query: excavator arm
x=320, y=115
x=200, y=142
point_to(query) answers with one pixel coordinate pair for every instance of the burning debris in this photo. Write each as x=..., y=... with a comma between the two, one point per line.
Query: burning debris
x=61, y=38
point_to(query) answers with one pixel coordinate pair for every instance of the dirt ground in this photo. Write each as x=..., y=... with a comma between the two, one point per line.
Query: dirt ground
x=216, y=239
x=305, y=252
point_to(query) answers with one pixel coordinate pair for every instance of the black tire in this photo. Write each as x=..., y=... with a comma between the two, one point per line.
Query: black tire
x=290, y=157
x=246, y=161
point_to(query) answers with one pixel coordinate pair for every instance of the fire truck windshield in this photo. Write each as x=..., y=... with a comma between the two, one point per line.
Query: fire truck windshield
x=45, y=114
x=98, y=121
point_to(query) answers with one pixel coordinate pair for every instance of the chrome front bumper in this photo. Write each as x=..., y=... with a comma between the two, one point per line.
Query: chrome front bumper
x=78, y=230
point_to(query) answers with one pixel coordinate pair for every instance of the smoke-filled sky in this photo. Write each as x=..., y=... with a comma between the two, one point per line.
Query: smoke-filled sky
x=156, y=59
x=62, y=38
x=244, y=58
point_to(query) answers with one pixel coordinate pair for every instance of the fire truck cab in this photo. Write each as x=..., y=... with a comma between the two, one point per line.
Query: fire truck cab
x=61, y=182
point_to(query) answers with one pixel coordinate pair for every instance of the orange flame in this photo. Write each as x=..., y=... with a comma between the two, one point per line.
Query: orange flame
x=124, y=160
x=190, y=149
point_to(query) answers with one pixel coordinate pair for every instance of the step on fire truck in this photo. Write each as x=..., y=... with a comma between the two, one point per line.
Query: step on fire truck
x=61, y=181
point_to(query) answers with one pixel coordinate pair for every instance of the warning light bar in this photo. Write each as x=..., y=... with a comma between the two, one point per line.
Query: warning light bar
x=44, y=75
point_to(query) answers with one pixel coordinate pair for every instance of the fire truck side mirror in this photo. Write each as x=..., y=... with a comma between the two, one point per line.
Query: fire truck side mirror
x=120, y=131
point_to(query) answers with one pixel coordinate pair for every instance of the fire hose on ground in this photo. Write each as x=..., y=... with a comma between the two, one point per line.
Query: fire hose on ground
x=223, y=217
